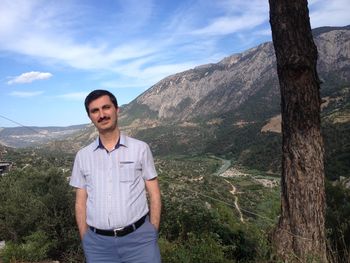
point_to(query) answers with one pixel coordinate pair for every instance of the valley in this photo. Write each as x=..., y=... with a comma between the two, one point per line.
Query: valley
x=198, y=205
x=216, y=137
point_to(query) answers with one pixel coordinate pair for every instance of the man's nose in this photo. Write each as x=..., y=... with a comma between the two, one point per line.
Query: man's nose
x=101, y=114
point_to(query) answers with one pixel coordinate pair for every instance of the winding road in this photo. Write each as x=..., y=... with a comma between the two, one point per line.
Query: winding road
x=225, y=165
x=233, y=192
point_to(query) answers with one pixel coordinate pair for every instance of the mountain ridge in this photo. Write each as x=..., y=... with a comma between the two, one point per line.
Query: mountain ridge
x=203, y=86
x=25, y=136
x=223, y=108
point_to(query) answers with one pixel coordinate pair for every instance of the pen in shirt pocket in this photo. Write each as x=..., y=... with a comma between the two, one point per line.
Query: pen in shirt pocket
x=126, y=162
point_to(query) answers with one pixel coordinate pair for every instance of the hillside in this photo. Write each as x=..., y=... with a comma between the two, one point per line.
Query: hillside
x=217, y=152
x=20, y=137
x=229, y=108
x=235, y=83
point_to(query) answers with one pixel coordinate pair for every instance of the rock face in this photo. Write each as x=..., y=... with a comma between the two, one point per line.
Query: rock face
x=210, y=89
x=214, y=89
x=232, y=108
x=224, y=107
x=334, y=51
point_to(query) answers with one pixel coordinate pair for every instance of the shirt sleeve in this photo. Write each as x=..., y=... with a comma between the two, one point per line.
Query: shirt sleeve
x=77, y=178
x=148, y=168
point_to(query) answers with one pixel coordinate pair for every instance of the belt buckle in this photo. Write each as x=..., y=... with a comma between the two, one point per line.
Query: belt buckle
x=116, y=231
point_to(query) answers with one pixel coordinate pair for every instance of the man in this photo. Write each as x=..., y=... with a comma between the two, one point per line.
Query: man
x=111, y=177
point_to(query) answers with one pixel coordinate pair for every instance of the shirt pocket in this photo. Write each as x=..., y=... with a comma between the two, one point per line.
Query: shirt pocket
x=87, y=176
x=129, y=171
x=89, y=184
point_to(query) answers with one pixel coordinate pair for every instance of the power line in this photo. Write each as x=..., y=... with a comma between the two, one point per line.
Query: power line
x=190, y=190
x=244, y=210
x=15, y=122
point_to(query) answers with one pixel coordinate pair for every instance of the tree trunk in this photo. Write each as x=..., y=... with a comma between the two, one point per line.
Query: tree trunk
x=300, y=234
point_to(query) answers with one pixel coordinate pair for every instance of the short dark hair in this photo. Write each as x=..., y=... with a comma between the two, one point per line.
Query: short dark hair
x=93, y=95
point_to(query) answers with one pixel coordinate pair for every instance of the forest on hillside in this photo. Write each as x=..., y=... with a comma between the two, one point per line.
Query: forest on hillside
x=200, y=221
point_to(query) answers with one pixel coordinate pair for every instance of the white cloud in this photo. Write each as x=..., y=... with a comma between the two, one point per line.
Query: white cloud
x=32, y=30
x=329, y=13
x=125, y=84
x=74, y=95
x=236, y=16
x=29, y=77
x=125, y=40
x=229, y=25
x=12, y=14
x=264, y=32
x=131, y=9
x=26, y=94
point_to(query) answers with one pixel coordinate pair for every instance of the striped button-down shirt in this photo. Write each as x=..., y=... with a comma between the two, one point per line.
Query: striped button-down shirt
x=114, y=181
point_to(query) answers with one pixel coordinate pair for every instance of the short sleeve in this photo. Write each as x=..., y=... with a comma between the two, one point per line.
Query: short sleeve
x=77, y=178
x=148, y=167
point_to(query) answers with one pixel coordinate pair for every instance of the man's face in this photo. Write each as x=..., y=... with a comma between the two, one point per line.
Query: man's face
x=103, y=114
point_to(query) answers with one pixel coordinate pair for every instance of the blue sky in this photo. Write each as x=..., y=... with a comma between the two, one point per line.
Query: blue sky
x=53, y=53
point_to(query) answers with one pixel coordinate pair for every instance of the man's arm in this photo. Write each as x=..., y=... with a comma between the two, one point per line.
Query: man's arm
x=153, y=190
x=80, y=211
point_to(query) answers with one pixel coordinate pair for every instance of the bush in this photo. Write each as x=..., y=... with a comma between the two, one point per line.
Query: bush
x=35, y=248
x=203, y=248
x=36, y=212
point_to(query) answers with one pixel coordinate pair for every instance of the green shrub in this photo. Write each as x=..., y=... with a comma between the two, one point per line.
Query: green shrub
x=39, y=207
x=203, y=248
x=35, y=248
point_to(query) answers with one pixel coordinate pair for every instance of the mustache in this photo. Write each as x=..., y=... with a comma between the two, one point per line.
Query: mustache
x=102, y=119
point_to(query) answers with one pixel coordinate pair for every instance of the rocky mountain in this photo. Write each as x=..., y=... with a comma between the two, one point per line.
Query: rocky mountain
x=214, y=89
x=232, y=109
x=208, y=90
x=19, y=137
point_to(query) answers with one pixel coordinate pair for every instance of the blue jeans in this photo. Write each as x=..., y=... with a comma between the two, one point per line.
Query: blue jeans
x=140, y=246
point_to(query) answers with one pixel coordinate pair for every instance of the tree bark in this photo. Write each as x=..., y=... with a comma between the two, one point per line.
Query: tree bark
x=300, y=234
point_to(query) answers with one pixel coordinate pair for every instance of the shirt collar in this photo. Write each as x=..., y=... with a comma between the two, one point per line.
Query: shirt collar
x=121, y=142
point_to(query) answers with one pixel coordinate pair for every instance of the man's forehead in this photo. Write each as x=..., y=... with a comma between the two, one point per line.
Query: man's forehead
x=103, y=100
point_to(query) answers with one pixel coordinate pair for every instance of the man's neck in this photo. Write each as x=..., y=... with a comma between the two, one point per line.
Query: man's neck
x=109, y=138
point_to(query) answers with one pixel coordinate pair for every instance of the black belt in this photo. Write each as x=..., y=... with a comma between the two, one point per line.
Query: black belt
x=120, y=231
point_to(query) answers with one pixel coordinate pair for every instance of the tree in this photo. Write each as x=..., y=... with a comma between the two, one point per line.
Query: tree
x=300, y=234
x=37, y=215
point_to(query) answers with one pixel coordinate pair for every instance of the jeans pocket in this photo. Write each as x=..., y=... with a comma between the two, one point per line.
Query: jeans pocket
x=85, y=235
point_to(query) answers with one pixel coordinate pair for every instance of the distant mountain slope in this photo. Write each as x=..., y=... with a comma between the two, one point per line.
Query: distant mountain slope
x=231, y=109
x=207, y=90
x=235, y=84
x=72, y=143
x=30, y=136
x=320, y=30
x=222, y=108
